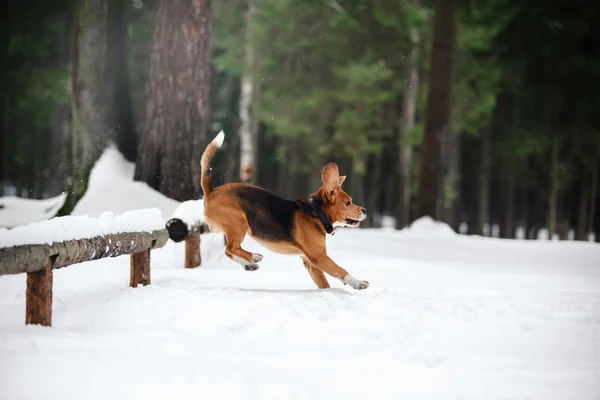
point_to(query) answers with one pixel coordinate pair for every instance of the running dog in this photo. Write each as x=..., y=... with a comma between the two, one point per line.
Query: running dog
x=282, y=226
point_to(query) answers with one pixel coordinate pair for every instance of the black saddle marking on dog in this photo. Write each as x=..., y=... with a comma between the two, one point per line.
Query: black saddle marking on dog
x=270, y=217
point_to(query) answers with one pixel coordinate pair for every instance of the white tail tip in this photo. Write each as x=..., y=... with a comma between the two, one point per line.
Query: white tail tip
x=218, y=140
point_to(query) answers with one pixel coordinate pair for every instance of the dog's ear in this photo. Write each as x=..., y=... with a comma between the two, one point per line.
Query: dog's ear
x=341, y=180
x=330, y=178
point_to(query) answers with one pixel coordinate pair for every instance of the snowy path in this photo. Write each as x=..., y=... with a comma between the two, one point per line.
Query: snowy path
x=445, y=317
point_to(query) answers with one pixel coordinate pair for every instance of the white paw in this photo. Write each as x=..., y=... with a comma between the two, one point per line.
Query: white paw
x=256, y=257
x=248, y=266
x=355, y=283
x=251, y=267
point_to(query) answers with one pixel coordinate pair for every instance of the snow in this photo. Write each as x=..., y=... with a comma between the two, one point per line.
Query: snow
x=111, y=188
x=72, y=227
x=113, y=203
x=190, y=212
x=428, y=227
x=445, y=317
x=16, y=211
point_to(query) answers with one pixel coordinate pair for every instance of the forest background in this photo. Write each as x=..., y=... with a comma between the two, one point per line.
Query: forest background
x=482, y=114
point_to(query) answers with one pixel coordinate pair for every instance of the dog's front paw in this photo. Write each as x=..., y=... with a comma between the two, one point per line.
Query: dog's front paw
x=355, y=283
x=360, y=285
x=251, y=267
x=256, y=257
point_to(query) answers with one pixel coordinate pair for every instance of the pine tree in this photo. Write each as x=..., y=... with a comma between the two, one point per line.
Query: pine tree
x=248, y=128
x=174, y=132
x=437, y=118
x=92, y=111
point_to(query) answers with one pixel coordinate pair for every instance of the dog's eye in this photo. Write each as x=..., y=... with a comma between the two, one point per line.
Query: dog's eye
x=348, y=203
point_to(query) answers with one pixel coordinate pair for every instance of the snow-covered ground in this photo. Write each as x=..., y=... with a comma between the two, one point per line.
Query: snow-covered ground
x=111, y=188
x=15, y=211
x=447, y=316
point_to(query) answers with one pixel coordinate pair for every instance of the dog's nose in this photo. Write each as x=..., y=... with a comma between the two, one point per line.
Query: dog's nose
x=364, y=210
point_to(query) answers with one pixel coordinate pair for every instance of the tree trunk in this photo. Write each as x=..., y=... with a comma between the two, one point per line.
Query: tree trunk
x=232, y=160
x=449, y=157
x=177, y=100
x=292, y=172
x=562, y=219
x=38, y=169
x=409, y=109
x=247, y=130
x=390, y=193
x=4, y=152
x=231, y=163
x=124, y=130
x=508, y=225
x=93, y=117
x=58, y=168
x=593, y=192
x=553, y=192
x=5, y=30
x=524, y=218
x=358, y=188
x=563, y=230
x=483, y=197
x=584, y=196
x=437, y=114
x=283, y=168
x=372, y=188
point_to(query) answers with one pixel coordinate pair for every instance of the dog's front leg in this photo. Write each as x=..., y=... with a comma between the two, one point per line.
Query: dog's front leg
x=327, y=265
x=316, y=274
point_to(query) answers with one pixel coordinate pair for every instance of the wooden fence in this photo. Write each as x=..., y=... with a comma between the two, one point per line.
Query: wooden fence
x=190, y=233
x=39, y=260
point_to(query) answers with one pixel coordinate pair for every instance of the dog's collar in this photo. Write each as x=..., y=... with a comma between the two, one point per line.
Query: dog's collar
x=317, y=205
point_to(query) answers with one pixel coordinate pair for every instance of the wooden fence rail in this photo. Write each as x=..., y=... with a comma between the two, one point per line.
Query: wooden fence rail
x=39, y=260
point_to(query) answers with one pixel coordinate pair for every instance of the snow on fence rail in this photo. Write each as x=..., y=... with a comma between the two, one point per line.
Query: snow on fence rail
x=39, y=248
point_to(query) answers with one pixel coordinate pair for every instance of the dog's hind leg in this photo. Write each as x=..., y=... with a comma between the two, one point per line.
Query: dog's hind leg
x=317, y=275
x=235, y=234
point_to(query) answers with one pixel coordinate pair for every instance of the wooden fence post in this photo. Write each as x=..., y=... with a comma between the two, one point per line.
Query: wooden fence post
x=190, y=232
x=192, y=251
x=139, y=272
x=38, y=299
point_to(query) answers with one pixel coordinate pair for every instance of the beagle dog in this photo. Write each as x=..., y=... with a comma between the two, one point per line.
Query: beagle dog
x=282, y=226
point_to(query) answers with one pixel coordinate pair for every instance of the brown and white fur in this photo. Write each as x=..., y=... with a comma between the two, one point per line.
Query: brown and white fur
x=280, y=225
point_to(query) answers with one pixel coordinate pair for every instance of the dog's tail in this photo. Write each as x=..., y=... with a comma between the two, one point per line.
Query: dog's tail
x=207, y=157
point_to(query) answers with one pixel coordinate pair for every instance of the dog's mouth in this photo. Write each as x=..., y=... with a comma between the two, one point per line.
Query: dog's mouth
x=352, y=222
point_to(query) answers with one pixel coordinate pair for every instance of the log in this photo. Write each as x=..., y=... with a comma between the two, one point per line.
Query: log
x=139, y=273
x=179, y=230
x=187, y=224
x=38, y=301
x=32, y=258
x=192, y=251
